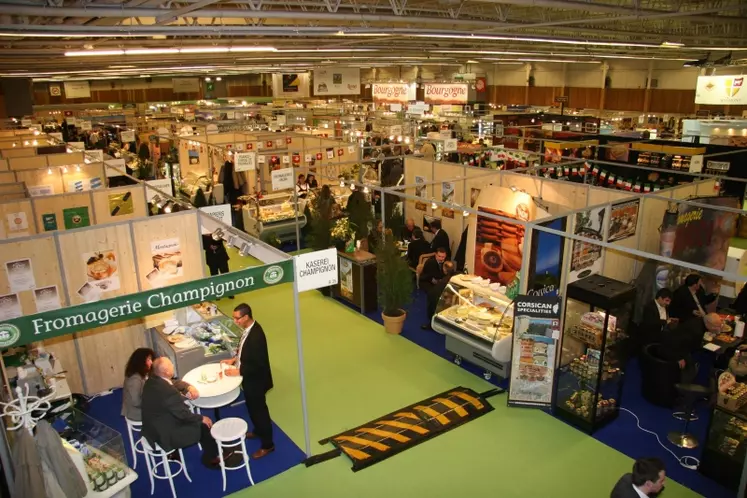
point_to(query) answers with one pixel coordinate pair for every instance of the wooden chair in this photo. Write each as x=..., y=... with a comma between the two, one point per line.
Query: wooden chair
x=421, y=263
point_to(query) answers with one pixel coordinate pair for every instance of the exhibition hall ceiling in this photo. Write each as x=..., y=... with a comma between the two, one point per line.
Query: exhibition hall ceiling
x=109, y=38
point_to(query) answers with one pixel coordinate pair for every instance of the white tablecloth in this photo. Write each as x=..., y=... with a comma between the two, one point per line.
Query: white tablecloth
x=216, y=394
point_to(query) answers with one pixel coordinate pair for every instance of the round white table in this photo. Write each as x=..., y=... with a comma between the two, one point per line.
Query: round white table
x=221, y=392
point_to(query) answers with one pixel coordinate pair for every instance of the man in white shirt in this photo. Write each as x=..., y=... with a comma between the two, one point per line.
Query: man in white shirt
x=646, y=480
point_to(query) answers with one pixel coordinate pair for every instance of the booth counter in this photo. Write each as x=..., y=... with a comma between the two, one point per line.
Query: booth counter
x=357, y=282
x=273, y=213
x=200, y=334
x=477, y=321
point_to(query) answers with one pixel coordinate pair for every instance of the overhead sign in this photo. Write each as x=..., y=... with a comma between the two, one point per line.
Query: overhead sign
x=64, y=321
x=721, y=90
x=127, y=136
x=186, y=85
x=245, y=161
x=95, y=156
x=282, y=179
x=534, y=345
x=393, y=93
x=446, y=93
x=450, y=145
x=316, y=269
x=221, y=212
x=111, y=164
x=337, y=81
x=85, y=125
x=77, y=90
x=164, y=185
x=561, y=99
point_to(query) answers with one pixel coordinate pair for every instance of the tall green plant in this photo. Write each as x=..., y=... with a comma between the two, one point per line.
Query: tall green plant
x=360, y=213
x=394, y=278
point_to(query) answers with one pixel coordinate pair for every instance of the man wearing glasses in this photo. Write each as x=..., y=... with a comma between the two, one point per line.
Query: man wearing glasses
x=252, y=362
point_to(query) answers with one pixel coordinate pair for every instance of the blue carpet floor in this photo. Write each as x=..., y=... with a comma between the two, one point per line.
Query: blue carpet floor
x=622, y=434
x=205, y=483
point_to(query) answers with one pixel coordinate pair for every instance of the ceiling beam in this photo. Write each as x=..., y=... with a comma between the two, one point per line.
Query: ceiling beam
x=175, y=14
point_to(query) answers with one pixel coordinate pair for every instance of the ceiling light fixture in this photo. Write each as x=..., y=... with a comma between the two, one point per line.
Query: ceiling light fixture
x=669, y=44
x=539, y=40
x=163, y=51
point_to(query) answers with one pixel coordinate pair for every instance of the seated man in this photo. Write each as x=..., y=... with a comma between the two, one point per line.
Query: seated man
x=168, y=422
x=417, y=247
x=690, y=299
x=655, y=317
x=433, y=270
x=409, y=229
x=434, y=293
x=679, y=344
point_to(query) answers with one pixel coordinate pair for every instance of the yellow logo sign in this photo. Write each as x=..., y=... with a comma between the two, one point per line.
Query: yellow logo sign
x=733, y=85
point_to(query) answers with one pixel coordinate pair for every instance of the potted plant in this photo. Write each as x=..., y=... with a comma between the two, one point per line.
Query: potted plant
x=394, y=281
x=343, y=235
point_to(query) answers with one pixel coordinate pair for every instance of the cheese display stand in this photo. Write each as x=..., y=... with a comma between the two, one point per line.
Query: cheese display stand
x=196, y=335
x=477, y=320
x=357, y=280
x=589, y=381
x=273, y=213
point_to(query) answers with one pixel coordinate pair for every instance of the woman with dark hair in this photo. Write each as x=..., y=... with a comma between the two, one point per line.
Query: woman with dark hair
x=311, y=181
x=136, y=373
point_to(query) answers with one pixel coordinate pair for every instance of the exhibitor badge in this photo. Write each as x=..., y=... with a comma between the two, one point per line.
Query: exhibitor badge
x=9, y=335
x=273, y=275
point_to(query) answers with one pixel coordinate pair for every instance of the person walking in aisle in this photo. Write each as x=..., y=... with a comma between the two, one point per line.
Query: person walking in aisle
x=216, y=256
x=646, y=480
x=252, y=362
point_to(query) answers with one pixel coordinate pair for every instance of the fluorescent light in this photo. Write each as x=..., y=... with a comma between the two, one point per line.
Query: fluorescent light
x=203, y=50
x=668, y=44
x=538, y=40
x=94, y=53
x=343, y=33
x=121, y=67
x=252, y=49
x=151, y=51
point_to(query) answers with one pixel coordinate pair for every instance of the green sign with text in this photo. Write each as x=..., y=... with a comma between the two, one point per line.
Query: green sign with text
x=30, y=328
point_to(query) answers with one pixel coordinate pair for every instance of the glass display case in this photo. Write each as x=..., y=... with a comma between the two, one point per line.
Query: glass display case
x=725, y=446
x=477, y=319
x=273, y=212
x=590, y=374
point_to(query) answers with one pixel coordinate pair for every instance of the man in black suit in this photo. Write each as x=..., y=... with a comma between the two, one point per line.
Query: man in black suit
x=440, y=238
x=435, y=291
x=417, y=247
x=679, y=344
x=252, y=362
x=655, y=317
x=690, y=299
x=433, y=270
x=646, y=480
x=409, y=229
x=168, y=422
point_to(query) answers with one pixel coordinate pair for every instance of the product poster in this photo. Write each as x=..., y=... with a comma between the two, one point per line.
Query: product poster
x=194, y=157
x=447, y=213
x=533, y=350
x=40, y=190
x=10, y=307
x=473, y=195
x=47, y=299
x=420, y=187
x=586, y=258
x=421, y=206
x=120, y=204
x=623, y=220
x=102, y=270
x=499, y=244
x=76, y=217
x=20, y=275
x=167, y=260
x=618, y=152
x=447, y=192
x=546, y=261
x=49, y=222
x=89, y=292
x=330, y=153
x=346, y=278
x=17, y=222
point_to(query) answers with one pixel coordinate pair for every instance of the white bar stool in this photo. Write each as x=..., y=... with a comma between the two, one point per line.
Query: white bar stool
x=228, y=433
x=151, y=456
x=193, y=409
x=136, y=445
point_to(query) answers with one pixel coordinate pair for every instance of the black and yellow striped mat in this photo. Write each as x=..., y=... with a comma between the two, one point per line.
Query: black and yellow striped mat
x=393, y=433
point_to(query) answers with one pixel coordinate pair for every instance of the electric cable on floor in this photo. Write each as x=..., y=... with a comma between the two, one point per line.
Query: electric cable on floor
x=682, y=460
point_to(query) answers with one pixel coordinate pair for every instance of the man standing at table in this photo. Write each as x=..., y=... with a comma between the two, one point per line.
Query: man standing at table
x=252, y=362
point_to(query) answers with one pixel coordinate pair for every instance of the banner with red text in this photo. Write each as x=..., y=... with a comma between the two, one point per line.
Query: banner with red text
x=393, y=93
x=446, y=93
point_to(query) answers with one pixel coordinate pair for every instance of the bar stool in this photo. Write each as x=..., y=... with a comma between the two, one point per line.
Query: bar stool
x=194, y=409
x=135, y=445
x=151, y=456
x=690, y=394
x=229, y=433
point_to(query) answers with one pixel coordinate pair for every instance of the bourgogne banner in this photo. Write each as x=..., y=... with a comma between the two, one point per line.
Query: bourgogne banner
x=446, y=93
x=393, y=93
x=64, y=321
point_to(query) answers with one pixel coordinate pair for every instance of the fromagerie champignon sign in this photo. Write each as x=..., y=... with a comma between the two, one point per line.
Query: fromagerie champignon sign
x=392, y=93
x=446, y=93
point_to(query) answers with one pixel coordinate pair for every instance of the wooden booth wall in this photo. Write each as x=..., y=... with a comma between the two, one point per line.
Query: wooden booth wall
x=95, y=359
x=10, y=211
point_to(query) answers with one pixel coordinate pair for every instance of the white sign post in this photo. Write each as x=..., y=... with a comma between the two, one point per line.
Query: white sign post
x=221, y=212
x=450, y=145
x=317, y=269
x=115, y=163
x=163, y=184
x=245, y=161
x=127, y=136
x=282, y=179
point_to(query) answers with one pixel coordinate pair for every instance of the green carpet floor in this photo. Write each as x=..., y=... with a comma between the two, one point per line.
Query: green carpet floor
x=356, y=372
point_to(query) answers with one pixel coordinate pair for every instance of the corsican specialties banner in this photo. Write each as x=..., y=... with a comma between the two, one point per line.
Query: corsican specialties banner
x=41, y=326
x=446, y=93
x=535, y=339
x=721, y=90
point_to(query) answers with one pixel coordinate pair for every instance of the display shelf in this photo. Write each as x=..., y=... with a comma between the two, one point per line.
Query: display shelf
x=589, y=379
x=273, y=213
x=725, y=446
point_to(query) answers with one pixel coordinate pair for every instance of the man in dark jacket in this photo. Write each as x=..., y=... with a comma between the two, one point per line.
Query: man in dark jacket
x=440, y=238
x=433, y=270
x=252, y=362
x=417, y=247
x=168, y=422
x=691, y=299
x=655, y=317
x=646, y=480
x=216, y=256
x=434, y=293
